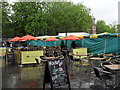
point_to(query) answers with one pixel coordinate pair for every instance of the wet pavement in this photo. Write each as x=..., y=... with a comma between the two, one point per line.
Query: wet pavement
x=31, y=76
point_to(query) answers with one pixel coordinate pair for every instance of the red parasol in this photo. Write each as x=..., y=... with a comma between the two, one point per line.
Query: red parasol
x=15, y=39
x=51, y=39
x=28, y=37
x=71, y=37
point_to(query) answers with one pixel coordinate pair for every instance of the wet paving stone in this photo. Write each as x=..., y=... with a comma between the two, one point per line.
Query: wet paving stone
x=31, y=76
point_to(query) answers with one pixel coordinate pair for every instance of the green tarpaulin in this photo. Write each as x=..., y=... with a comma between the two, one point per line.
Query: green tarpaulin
x=107, y=43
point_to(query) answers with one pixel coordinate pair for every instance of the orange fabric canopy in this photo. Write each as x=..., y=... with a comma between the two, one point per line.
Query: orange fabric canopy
x=51, y=39
x=70, y=37
x=28, y=37
x=15, y=39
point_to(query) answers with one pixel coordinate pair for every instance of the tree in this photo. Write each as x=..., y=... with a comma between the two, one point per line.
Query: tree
x=67, y=16
x=118, y=28
x=6, y=20
x=24, y=13
x=41, y=18
x=113, y=27
x=50, y=17
x=102, y=27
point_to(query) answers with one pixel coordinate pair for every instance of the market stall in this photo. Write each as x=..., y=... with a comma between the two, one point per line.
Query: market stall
x=27, y=57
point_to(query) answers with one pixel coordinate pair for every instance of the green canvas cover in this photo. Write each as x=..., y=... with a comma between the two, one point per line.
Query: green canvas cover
x=107, y=43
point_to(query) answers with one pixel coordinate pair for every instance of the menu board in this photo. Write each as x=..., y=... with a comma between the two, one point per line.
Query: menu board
x=10, y=56
x=10, y=59
x=58, y=75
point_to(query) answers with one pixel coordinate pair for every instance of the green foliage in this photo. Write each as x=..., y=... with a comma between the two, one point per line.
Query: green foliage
x=102, y=27
x=24, y=14
x=113, y=27
x=118, y=28
x=67, y=16
x=48, y=18
x=6, y=20
x=41, y=18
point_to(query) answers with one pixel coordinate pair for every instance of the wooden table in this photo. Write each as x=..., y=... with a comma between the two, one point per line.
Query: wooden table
x=49, y=57
x=97, y=58
x=115, y=67
x=109, y=55
x=44, y=59
x=80, y=59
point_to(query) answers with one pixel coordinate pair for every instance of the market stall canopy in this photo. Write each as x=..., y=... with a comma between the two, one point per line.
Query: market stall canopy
x=59, y=37
x=44, y=37
x=73, y=33
x=70, y=37
x=15, y=39
x=81, y=36
x=105, y=34
x=51, y=39
x=28, y=37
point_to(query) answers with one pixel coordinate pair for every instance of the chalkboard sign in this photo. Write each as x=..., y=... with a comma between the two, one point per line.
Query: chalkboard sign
x=56, y=73
x=10, y=58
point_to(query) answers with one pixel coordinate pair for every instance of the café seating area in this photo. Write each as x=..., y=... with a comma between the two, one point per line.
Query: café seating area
x=84, y=69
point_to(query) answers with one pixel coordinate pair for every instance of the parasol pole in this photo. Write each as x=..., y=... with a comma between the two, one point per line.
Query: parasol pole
x=105, y=46
x=66, y=36
x=45, y=43
x=82, y=42
x=55, y=43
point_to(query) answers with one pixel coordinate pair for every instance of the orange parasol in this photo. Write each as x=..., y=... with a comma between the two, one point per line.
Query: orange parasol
x=28, y=37
x=51, y=39
x=15, y=39
x=70, y=37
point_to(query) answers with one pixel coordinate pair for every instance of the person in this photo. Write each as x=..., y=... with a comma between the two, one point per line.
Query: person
x=73, y=45
x=4, y=44
x=7, y=44
x=62, y=45
x=11, y=45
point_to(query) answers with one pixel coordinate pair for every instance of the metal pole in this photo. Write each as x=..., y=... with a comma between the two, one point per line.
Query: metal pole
x=82, y=42
x=66, y=40
x=105, y=46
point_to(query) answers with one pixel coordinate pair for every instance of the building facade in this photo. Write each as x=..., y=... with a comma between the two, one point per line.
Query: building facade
x=119, y=16
x=119, y=12
x=93, y=27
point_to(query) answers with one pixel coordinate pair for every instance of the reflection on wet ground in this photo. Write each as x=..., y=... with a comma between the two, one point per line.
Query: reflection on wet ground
x=31, y=76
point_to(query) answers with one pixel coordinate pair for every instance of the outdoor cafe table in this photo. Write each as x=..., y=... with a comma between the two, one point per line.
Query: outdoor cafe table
x=48, y=58
x=93, y=59
x=96, y=58
x=116, y=68
x=79, y=56
x=109, y=55
x=39, y=59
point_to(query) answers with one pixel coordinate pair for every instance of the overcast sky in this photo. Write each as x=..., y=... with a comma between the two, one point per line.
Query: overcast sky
x=106, y=10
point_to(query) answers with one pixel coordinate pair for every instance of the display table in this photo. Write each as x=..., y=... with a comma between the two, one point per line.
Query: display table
x=2, y=51
x=26, y=57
